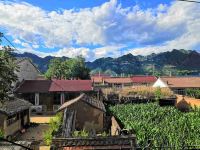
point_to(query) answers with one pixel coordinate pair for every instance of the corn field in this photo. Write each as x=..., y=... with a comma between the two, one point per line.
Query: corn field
x=165, y=126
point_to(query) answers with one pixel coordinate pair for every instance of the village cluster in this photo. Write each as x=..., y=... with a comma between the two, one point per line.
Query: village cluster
x=80, y=107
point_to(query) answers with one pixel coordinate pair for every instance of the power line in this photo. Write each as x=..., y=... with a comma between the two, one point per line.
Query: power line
x=189, y=1
x=2, y=35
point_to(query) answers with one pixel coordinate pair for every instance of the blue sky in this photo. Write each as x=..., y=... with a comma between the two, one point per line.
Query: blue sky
x=100, y=28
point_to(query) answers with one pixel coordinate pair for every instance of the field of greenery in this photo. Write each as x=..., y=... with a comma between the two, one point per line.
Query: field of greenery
x=163, y=125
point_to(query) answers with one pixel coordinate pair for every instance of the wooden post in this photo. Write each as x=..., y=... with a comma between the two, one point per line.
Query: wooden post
x=37, y=99
x=62, y=98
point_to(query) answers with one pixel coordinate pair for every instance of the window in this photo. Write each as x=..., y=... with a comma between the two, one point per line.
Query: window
x=12, y=119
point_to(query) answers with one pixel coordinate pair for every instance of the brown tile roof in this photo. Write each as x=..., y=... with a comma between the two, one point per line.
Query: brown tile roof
x=87, y=99
x=34, y=86
x=118, y=80
x=13, y=106
x=44, y=86
x=182, y=82
x=143, y=79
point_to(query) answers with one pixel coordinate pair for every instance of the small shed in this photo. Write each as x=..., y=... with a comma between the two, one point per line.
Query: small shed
x=14, y=115
x=88, y=113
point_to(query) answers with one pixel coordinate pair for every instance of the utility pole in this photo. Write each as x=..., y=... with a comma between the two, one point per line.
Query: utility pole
x=153, y=69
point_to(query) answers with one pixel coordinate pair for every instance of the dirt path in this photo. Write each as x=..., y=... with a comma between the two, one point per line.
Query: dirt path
x=41, y=119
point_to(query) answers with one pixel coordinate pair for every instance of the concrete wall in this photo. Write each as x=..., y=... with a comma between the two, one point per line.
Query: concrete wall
x=88, y=117
x=26, y=71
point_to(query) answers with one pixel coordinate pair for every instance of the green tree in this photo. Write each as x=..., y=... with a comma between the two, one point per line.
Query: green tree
x=7, y=75
x=74, y=68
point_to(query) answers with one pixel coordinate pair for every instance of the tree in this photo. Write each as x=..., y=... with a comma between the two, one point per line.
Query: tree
x=7, y=75
x=68, y=69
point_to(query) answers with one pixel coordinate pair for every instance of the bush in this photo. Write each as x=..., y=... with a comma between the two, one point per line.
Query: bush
x=82, y=133
x=158, y=93
x=54, y=125
x=193, y=93
x=1, y=133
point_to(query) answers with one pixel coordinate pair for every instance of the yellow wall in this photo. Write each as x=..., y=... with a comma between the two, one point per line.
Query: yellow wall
x=11, y=129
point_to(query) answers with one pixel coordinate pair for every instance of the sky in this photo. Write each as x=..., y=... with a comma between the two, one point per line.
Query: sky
x=100, y=28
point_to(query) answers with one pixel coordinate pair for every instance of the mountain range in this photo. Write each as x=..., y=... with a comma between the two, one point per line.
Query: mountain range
x=178, y=62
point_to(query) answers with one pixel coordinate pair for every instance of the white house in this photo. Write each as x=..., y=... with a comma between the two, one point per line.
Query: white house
x=178, y=84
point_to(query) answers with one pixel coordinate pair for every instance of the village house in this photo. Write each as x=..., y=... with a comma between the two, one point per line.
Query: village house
x=26, y=70
x=142, y=80
x=14, y=116
x=178, y=84
x=49, y=95
x=98, y=79
x=118, y=82
x=88, y=113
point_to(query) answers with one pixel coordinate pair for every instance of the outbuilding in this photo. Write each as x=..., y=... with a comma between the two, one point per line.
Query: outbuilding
x=14, y=115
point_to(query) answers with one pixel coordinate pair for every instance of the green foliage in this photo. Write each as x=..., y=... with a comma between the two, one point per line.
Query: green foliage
x=164, y=125
x=7, y=75
x=54, y=125
x=193, y=93
x=1, y=133
x=68, y=69
x=82, y=133
x=158, y=93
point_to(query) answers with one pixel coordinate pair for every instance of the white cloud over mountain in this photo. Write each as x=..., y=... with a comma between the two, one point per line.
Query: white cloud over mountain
x=109, y=25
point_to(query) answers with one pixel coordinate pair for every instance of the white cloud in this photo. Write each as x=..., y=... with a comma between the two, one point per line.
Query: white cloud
x=154, y=30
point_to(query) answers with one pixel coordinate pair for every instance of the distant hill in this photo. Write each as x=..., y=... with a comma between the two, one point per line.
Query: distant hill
x=177, y=61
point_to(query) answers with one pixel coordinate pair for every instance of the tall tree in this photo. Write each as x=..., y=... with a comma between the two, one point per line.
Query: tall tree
x=68, y=69
x=7, y=75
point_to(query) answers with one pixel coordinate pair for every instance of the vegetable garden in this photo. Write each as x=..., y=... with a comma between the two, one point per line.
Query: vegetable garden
x=165, y=126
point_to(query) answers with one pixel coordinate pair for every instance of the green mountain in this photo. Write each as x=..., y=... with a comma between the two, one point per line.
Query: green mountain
x=175, y=62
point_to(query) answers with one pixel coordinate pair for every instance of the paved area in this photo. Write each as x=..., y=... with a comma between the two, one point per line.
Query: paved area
x=40, y=119
x=191, y=101
x=44, y=147
x=35, y=132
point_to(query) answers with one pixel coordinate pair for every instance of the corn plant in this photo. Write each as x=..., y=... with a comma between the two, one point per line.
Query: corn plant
x=164, y=125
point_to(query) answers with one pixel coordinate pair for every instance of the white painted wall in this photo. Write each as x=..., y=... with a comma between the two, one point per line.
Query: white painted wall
x=160, y=83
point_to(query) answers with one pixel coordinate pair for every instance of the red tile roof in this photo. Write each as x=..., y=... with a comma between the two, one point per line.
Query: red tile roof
x=44, y=86
x=143, y=79
x=71, y=85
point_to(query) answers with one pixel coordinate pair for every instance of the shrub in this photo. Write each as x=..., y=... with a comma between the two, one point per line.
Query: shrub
x=1, y=133
x=193, y=92
x=82, y=133
x=158, y=93
x=54, y=125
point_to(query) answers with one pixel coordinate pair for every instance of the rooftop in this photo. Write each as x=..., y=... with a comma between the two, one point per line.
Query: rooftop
x=143, y=79
x=44, y=86
x=182, y=82
x=14, y=106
